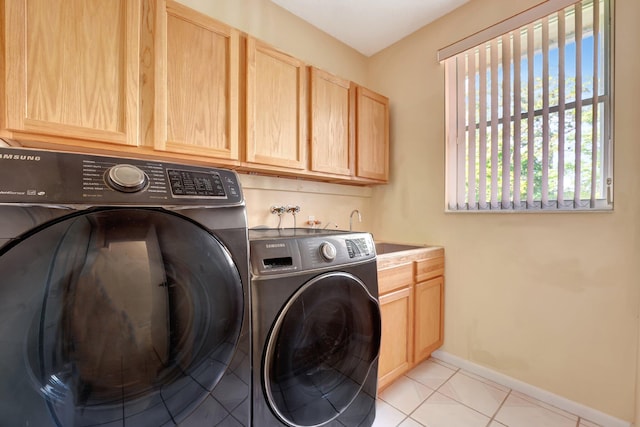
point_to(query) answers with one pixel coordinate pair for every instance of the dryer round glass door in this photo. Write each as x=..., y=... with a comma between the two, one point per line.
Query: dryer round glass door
x=111, y=315
x=321, y=349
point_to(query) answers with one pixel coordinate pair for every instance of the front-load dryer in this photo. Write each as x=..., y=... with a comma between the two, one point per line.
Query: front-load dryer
x=123, y=293
x=316, y=328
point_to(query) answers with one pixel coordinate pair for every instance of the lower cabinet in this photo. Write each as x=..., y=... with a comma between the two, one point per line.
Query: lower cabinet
x=411, y=289
x=397, y=327
x=428, y=325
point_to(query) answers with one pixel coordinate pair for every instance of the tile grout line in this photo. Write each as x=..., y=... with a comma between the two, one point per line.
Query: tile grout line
x=493, y=418
x=407, y=416
x=534, y=401
x=458, y=370
x=433, y=390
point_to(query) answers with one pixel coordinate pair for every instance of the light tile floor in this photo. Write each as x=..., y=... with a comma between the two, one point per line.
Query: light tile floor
x=436, y=394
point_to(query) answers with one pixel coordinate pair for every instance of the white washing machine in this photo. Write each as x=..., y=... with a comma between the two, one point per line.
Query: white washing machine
x=123, y=293
x=316, y=328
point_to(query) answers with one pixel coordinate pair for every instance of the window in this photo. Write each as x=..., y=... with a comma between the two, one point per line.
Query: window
x=529, y=112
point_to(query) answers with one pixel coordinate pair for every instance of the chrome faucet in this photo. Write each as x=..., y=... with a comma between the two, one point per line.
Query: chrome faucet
x=281, y=210
x=351, y=218
x=278, y=210
x=293, y=210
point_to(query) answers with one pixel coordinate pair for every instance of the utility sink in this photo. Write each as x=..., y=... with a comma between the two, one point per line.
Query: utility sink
x=387, y=248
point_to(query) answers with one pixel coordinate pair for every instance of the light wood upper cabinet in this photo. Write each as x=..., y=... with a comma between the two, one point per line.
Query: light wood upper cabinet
x=71, y=69
x=276, y=108
x=197, y=71
x=156, y=78
x=332, y=148
x=372, y=135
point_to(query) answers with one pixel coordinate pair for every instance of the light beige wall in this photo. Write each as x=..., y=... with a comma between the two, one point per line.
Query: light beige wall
x=270, y=23
x=329, y=203
x=550, y=299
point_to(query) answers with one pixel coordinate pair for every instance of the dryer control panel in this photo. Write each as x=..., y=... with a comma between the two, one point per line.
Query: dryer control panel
x=58, y=178
x=302, y=250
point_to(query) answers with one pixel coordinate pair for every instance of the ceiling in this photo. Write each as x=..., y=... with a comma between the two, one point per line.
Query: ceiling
x=369, y=25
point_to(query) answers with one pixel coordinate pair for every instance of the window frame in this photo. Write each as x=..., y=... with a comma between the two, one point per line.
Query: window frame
x=457, y=195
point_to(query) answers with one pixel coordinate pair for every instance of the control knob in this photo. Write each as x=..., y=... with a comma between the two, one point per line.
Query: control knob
x=328, y=251
x=126, y=178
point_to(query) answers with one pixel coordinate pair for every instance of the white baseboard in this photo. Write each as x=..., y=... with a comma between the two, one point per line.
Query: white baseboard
x=578, y=409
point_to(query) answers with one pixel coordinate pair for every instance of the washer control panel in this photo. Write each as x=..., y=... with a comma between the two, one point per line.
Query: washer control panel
x=271, y=254
x=59, y=178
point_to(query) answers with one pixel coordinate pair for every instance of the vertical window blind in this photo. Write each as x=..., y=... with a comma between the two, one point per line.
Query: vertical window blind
x=529, y=112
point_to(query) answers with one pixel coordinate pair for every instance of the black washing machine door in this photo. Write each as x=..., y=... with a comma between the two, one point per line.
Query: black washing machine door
x=321, y=350
x=115, y=317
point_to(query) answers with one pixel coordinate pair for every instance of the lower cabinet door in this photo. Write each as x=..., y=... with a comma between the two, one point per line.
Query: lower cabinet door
x=429, y=301
x=396, y=347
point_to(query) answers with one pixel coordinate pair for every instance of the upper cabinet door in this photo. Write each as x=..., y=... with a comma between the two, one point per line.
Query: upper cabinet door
x=276, y=108
x=197, y=89
x=71, y=69
x=372, y=135
x=332, y=150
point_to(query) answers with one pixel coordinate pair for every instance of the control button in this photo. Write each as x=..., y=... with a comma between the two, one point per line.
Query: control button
x=195, y=184
x=328, y=251
x=126, y=178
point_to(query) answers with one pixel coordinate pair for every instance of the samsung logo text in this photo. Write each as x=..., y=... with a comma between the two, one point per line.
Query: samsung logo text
x=20, y=157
